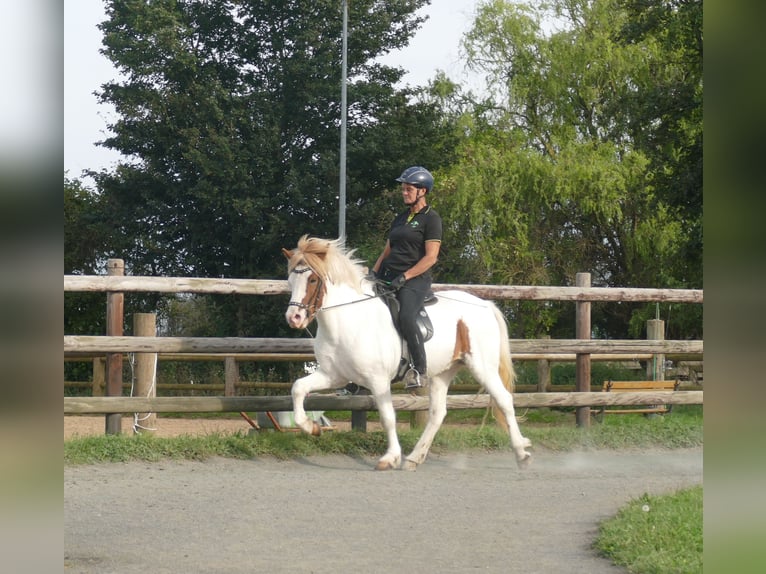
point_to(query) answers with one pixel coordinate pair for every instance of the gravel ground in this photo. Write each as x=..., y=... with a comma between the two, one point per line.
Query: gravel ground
x=457, y=513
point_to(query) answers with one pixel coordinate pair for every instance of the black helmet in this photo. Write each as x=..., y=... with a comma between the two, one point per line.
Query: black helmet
x=417, y=176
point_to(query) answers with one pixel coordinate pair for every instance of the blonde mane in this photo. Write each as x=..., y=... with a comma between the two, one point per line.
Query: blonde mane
x=330, y=260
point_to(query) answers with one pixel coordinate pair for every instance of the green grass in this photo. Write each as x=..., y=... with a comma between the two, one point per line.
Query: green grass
x=656, y=534
x=556, y=431
x=549, y=429
x=122, y=448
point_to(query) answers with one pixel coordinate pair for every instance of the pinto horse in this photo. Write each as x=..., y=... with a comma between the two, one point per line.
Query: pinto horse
x=356, y=341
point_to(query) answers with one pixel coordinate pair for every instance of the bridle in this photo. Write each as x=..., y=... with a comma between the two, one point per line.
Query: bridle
x=314, y=306
x=315, y=299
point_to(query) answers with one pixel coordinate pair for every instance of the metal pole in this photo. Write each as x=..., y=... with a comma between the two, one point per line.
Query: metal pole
x=343, y=103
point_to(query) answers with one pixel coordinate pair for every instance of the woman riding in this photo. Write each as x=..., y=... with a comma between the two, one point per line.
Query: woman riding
x=412, y=248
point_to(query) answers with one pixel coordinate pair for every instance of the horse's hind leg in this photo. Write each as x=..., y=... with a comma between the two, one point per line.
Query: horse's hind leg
x=504, y=400
x=437, y=410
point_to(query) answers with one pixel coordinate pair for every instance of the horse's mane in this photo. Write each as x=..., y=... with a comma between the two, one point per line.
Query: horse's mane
x=329, y=259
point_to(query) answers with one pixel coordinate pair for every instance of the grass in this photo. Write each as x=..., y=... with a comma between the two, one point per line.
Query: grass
x=656, y=534
x=551, y=429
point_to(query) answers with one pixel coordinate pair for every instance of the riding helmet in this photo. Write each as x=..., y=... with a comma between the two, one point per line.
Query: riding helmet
x=417, y=176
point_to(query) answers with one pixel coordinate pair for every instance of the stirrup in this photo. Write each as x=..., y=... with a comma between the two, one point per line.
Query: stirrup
x=412, y=379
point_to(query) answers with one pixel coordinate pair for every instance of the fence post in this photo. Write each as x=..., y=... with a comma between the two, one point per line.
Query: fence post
x=359, y=418
x=114, y=319
x=655, y=331
x=420, y=418
x=99, y=376
x=145, y=325
x=230, y=376
x=582, y=326
x=543, y=372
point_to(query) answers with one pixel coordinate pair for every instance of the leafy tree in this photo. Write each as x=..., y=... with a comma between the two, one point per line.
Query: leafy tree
x=229, y=115
x=84, y=313
x=561, y=171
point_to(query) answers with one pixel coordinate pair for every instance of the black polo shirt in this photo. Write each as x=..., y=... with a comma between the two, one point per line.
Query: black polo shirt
x=408, y=239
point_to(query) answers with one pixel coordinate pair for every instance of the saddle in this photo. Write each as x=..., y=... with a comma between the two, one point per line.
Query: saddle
x=423, y=322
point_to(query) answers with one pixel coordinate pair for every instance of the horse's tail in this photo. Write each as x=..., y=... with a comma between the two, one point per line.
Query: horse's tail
x=505, y=370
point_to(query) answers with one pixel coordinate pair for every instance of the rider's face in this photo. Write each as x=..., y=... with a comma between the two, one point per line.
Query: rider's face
x=410, y=193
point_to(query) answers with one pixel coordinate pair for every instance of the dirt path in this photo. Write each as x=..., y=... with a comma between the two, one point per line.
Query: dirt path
x=457, y=513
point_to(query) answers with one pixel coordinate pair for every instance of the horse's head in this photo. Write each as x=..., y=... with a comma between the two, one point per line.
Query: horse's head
x=313, y=267
x=307, y=290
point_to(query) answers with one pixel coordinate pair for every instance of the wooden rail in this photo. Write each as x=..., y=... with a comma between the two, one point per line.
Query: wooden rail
x=231, y=349
x=228, y=345
x=279, y=287
x=103, y=405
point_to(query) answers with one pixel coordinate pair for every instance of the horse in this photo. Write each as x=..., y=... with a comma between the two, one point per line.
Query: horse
x=356, y=341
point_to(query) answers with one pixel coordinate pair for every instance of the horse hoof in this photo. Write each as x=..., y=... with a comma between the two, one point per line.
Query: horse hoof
x=527, y=442
x=384, y=465
x=409, y=465
x=316, y=430
x=525, y=461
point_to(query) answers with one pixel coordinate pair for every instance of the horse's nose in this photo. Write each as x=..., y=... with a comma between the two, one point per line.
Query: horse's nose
x=294, y=319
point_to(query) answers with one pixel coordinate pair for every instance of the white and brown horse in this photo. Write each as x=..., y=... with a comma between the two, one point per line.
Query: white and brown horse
x=356, y=341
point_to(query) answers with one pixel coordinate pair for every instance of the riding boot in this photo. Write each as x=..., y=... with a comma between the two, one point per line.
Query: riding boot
x=411, y=302
x=416, y=376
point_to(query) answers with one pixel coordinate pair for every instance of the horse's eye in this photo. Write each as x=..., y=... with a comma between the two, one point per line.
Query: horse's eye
x=312, y=280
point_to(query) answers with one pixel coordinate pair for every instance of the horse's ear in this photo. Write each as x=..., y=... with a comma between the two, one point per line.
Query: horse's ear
x=287, y=253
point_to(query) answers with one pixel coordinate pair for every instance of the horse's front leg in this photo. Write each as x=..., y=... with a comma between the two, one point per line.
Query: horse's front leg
x=437, y=410
x=393, y=455
x=316, y=381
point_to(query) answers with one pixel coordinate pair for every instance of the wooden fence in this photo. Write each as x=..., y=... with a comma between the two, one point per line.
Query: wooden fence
x=113, y=345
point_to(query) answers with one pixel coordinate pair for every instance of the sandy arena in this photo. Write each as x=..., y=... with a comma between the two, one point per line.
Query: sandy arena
x=457, y=513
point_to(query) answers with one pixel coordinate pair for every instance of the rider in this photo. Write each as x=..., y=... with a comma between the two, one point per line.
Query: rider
x=412, y=248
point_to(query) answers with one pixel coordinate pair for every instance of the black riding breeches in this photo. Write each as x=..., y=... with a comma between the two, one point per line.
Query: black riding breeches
x=411, y=297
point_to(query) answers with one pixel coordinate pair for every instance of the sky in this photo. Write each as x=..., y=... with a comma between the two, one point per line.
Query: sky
x=434, y=47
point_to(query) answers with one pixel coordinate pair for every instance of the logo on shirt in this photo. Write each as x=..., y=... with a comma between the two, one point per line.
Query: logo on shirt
x=414, y=223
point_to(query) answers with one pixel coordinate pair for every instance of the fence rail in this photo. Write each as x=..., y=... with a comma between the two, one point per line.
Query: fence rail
x=581, y=349
x=230, y=345
x=104, y=405
x=125, y=284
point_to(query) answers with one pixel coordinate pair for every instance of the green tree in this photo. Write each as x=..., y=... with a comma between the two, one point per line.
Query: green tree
x=229, y=116
x=84, y=313
x=560, y=172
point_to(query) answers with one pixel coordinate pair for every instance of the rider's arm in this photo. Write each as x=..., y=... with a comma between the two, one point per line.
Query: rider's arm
x=386, y=251
x=428, y=260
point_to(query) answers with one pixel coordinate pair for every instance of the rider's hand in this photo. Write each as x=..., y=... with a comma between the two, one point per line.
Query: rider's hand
x=399, y=281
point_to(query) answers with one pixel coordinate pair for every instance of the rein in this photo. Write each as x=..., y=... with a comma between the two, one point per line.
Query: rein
x=312, y=306
x=368, y=298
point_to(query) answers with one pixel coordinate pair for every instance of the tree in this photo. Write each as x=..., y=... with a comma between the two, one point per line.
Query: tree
x=560, y=173
x=230, y=116
x=83, y=255
x=84, y=313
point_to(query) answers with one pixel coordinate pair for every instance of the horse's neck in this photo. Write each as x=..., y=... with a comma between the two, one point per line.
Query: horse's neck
x=344, y=306
x=344, y=294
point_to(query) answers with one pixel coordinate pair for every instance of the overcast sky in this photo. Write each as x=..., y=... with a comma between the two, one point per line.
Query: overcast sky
x=434, y=47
